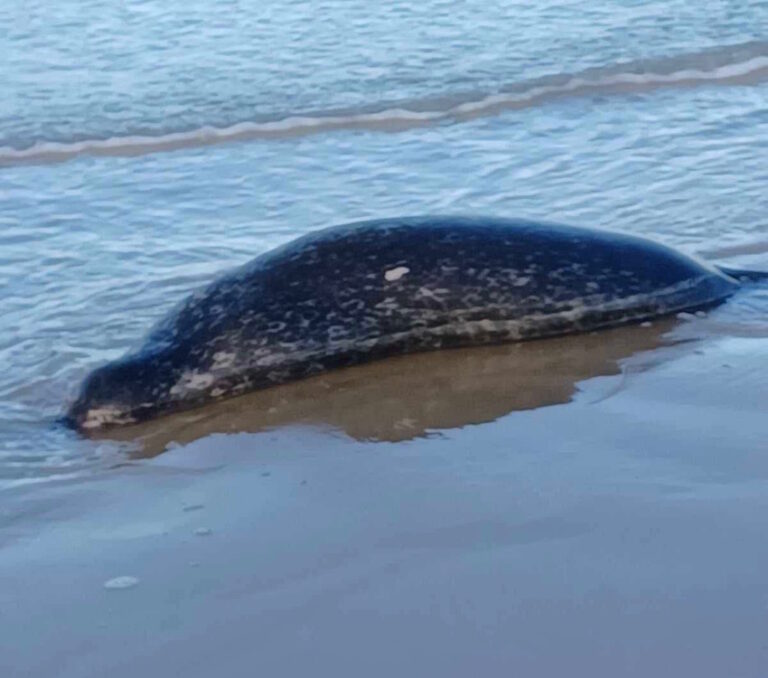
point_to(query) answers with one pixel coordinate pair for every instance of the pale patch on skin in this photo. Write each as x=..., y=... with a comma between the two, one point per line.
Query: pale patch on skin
x=191, y=381
x=396, y=273
x=436, y=295
x=222, y=360
x=390, y=303
x=100, y=416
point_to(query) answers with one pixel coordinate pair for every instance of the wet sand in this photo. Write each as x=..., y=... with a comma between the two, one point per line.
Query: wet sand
x=592, y=506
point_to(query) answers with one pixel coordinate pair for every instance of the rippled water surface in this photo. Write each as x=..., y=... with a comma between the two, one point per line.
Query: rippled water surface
x=116, y=198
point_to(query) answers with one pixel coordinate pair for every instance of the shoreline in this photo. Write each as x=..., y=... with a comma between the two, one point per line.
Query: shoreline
x=619, y=533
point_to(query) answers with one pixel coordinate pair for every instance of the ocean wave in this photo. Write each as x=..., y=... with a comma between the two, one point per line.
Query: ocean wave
x=744, y=64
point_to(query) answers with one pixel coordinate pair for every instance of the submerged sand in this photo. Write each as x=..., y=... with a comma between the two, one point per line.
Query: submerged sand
x=592, y=506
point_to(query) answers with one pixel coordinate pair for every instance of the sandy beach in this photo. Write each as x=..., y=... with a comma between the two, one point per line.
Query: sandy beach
x=616, y=529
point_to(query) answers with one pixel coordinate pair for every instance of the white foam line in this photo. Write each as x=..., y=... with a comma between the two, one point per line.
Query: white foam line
x=750, y=71
x=755, y=69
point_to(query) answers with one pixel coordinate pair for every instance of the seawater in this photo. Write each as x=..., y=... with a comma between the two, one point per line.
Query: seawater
x=146, y=146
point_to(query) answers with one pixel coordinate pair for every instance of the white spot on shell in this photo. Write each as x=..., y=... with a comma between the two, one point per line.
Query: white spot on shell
x=396, y=273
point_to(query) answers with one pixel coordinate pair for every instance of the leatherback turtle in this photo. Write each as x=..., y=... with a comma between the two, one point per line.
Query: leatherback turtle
x=358, y=292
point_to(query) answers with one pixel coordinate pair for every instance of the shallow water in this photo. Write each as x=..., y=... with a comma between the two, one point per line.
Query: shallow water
x=95, y=69
x=650, y=118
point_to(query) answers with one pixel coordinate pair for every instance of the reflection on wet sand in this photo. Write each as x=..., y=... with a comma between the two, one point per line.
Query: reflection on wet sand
x=407, y=397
